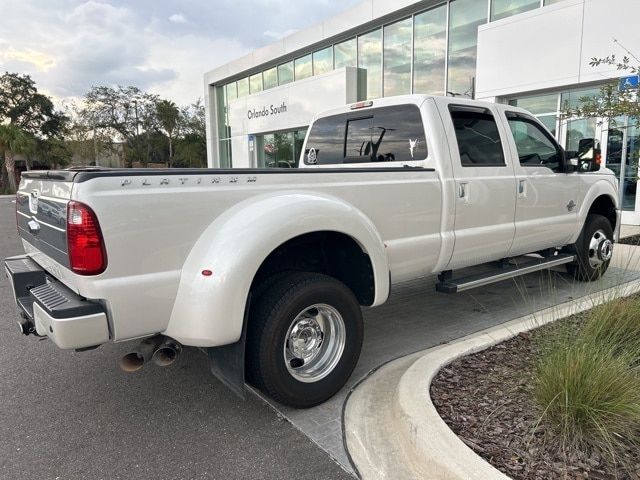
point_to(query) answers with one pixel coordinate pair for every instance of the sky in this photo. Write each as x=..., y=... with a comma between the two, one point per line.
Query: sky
x=161, y=46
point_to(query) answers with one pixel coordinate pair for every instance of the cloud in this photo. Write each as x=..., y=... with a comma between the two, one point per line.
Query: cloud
x=177, y=18
x=165, y=47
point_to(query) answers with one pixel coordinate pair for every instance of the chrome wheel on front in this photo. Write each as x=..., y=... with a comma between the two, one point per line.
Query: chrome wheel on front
x=600, y=249
x=314, y=343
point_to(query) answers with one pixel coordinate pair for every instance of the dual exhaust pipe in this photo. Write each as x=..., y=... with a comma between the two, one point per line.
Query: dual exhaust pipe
x=162, y=350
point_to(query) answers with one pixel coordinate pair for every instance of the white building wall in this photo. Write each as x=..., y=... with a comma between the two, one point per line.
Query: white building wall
x=551, y=47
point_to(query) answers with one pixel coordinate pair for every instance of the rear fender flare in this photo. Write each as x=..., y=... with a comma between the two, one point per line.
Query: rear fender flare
x=209, y=310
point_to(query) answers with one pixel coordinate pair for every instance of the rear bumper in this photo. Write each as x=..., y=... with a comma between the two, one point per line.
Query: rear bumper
x=50, y=309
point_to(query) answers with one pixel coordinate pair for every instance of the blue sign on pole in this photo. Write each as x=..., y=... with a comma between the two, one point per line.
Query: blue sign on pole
x=626, y=83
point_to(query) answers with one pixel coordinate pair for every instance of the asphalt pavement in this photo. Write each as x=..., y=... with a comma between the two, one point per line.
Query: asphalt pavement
x=67, y=415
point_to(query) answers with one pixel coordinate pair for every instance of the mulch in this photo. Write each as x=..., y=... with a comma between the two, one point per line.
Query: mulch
x=487, y=400
x=632, y=240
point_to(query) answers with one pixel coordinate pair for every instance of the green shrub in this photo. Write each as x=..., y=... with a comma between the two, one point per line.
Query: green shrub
x=616, y=323
x=590, y=396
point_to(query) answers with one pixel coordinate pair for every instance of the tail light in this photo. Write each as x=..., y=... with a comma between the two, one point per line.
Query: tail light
x=87, y=255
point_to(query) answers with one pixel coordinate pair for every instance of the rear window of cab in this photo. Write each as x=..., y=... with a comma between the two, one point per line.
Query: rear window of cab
x=385, y=134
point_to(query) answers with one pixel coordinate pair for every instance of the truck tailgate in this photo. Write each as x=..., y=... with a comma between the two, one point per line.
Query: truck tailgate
x=41, y=215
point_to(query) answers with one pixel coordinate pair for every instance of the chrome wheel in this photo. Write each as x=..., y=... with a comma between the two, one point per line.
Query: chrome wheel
x=600, y=249
x=314, y=343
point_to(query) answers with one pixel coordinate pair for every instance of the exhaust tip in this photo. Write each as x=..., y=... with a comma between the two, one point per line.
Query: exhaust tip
x=166, y=354
x=131, y=362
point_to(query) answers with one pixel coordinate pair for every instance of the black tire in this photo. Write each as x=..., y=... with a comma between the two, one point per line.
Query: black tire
x=271, y=317
x=582, y=269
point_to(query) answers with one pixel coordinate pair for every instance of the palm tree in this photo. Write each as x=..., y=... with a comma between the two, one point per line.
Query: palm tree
x=168, y=116
x=13, y=140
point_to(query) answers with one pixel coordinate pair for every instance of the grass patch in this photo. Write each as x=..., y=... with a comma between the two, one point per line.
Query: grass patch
x=587, y=386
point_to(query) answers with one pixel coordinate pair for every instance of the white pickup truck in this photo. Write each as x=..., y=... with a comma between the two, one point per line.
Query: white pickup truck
x=267, y=270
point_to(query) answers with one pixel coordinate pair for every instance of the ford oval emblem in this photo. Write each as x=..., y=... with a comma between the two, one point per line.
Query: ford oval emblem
x=33, y=202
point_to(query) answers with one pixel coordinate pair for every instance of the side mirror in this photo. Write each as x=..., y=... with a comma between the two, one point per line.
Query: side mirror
x=589, y=155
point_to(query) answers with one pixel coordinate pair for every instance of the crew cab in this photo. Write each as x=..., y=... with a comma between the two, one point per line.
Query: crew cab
x=267, y=270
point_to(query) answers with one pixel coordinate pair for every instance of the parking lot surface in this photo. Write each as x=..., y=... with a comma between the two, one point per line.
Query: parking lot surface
x=67, y=415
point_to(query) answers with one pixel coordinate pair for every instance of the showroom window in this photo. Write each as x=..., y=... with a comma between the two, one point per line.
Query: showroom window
x=479, y=142
x=280, y=149
x=232, y=92
x=465, y=16
x=430, y=51
x=243, y=87
x=285, y=73
x=303, y=67
x=270, y=78
x=255, y=83
x=506, y=8
x=397, y=58
x=323, y=61
x=370, y=58
x=345, y=53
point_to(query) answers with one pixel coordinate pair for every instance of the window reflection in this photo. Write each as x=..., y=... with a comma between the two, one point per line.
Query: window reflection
x=285, y=73
x=429, y=51
x=243, y=87
x=397, y=58
x=255, y=83
x=323, y=61
x=303, y=67
x=370, y=58
x=506, y=8
x=465, y=16
x=344, y=54
x=232, y=91
x=270, y=78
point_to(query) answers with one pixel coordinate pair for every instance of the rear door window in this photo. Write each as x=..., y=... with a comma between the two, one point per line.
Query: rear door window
x=385, y=134
x=478, y=137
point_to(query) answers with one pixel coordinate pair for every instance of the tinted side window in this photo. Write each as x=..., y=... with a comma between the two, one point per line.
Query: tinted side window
x=534, y=145
x=325, y=144
x=478, y=137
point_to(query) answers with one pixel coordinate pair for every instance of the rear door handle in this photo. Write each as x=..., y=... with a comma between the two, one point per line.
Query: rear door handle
x=522, y=188
x=463, y=191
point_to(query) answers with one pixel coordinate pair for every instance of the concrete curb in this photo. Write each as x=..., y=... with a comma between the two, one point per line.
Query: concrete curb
x=392, y=428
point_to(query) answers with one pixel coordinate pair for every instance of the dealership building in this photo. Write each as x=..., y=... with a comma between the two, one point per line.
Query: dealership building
x=534, y=54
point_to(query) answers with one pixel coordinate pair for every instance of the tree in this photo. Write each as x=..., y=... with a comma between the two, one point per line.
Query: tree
x=14, y=140
x=168, y=117
x=126, y=114
x=28, y=114
x=613, y=102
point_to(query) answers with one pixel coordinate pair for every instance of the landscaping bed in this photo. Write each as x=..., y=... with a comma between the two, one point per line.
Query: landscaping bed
x=492, y=401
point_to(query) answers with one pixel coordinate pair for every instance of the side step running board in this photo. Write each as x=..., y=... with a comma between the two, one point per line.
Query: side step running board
x=473, y=281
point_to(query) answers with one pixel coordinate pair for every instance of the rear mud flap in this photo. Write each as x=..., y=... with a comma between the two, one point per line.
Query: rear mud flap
x=227, y=362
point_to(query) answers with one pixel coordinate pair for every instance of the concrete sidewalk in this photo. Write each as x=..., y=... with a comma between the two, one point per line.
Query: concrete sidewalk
x=392, y=429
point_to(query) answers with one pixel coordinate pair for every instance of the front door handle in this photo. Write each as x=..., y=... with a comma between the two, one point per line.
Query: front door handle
x=522, y=188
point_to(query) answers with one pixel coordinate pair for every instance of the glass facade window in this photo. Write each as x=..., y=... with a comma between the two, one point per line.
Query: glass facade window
x=303, y=67
x=573, y=98
x=429, y=51
x=323, y=61
x=255, y=83
x=270, y=78
x=578, y=130
x=537, y=104
x=465, y=16
x=397, y=58
x=370, y=58
x=243, y=87
x=345, y=53
x=506, y=8
x=285, y=73
x=232, y=92
x=551, y=2
x=279, y=150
